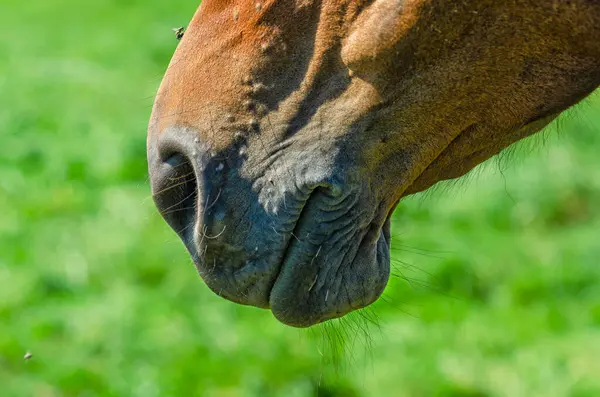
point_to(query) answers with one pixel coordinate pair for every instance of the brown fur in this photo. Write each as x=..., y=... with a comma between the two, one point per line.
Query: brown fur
x=407, y=93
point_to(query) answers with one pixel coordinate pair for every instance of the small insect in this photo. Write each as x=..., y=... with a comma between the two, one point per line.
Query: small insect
x=27, y=356
x=179, y=32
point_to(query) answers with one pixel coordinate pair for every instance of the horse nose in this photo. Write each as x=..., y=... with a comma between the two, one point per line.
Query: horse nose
x=185, y=176
x=203, y=196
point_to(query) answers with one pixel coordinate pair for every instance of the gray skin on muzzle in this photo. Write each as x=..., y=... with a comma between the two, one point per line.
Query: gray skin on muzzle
x=283, y=136
x=290, y=228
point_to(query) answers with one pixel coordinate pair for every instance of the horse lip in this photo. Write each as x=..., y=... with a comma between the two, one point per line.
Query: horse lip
x=258, y=292
x=336, y=307
x=287, y=249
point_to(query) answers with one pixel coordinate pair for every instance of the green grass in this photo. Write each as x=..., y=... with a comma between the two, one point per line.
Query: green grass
x=498, y=276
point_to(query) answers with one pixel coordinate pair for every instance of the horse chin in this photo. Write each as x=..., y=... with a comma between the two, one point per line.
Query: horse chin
x=300, y=299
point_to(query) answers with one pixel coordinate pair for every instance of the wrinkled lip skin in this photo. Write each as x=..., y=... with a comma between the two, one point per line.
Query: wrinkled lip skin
x=302, y=300
x=317, y=274
x=293, y=293
x=328, y=255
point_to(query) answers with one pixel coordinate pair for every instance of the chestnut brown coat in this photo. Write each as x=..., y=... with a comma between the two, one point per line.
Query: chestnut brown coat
x=286, y=131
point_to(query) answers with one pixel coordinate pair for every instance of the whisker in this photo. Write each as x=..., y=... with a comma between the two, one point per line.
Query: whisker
x=216, y=236
x=416, y=253
x=214, y=201
x=154, y=194
x=178, y=210
x=179, y=202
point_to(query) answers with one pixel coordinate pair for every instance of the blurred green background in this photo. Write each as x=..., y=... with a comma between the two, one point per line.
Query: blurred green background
x=497, y=277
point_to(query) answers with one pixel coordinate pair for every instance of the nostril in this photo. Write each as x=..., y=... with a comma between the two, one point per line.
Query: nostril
x=175, y=193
